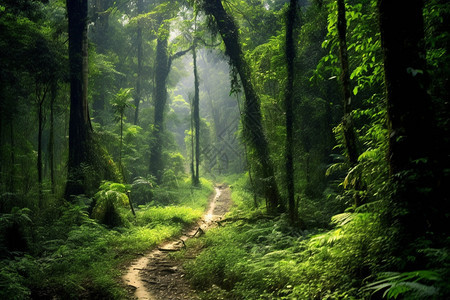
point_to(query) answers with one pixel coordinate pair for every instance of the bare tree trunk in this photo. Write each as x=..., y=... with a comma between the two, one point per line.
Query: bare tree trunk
x=288, y=102
x=121, y=143
x=85, y=74
x=192, y=144
x=196, y=116
x=420, y=195
x=39, y=156
x=137, y=98
x=12, y=176
x=79, y=133
x=51, y=141
x=252, y=119
x=41, y=94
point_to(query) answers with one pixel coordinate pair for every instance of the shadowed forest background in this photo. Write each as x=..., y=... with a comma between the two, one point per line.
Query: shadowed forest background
x=328, y=119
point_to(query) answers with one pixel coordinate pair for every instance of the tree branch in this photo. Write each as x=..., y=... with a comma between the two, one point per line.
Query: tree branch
x=178, y=55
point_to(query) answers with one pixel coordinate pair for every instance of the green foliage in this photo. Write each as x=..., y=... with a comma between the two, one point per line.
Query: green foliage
x=142, y=191
x=14, y=233
x=268, y=259
x=72, y=256
x=408, y=284
x=110, y=204
x=121, y=102
x=178, y=215
x=58, y=251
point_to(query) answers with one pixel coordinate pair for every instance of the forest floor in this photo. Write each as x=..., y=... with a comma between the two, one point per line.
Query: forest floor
x=157, y=275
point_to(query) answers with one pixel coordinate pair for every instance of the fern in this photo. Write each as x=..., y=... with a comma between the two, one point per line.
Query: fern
x=342, y=219
x=397, y=284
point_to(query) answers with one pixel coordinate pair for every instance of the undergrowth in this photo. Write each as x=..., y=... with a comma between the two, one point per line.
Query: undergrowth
x=69, y=255
x=266, y=258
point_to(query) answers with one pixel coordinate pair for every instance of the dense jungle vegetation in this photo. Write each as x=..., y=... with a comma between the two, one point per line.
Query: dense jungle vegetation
x=328, y=119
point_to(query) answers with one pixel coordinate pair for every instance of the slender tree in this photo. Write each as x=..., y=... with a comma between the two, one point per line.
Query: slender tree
x=137, y=95
x=41, y=95
x=51, y=139
x=252, y=119
x=288, y=102
x=191, y=119
x=120, y=103
x=196, y=111
x=350, y=138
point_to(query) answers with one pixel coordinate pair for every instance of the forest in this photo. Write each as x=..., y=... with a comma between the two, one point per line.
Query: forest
x=293, y=149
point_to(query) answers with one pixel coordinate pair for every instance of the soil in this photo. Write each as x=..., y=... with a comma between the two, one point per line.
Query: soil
x=158, y=276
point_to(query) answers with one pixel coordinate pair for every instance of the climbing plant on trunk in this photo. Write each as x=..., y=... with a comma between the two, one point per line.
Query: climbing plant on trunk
x=252, y=120
x=350, y=138
x=162, y=69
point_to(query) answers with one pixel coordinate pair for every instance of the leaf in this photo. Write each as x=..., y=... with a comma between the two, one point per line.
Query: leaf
x=342, y=219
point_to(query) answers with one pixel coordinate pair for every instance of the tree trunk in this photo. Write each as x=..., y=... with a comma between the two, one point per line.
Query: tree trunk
x=121, y=143
x=417, y=175
x=12, y=176
x=137, y=98
x=160, y=96
x=40, y=93
x=162, y=69
x=39, y=154
x=350, y=138
x=196, y=116
x=288, y=101
x=192, y=145
x=349, y=133
x=85, y=74
x=252, y=119
x=79, y=133
x=51, y=140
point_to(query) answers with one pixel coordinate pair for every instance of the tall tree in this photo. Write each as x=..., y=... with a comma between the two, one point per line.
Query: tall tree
x=418, y=201
x=290, y=58
x=350, y=138
x=137, y=95
x=252, y=119
x=162, y=69
x=41, y=95
x=51, y=139
x=196, y=111
x=79, y=124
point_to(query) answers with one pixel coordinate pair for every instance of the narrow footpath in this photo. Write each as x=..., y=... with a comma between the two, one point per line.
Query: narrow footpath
x=155, y=275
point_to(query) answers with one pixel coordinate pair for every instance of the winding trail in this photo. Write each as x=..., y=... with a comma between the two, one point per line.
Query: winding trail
x=157, y=276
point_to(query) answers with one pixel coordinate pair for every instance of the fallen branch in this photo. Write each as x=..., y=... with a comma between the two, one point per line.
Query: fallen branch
x=248, y=220
x=169, y=250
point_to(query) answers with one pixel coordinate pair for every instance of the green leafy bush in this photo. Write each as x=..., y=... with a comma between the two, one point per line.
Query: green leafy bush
x=110, y=204
x=142, y=190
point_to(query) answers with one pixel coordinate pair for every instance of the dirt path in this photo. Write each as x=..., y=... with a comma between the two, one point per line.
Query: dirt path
x=156, y=276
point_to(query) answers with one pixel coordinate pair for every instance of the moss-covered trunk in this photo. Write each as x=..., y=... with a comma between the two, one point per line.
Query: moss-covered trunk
x=252, y=119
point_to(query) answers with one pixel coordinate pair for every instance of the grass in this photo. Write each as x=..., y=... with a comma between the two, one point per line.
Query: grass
x=72, y=256
x=268, y=259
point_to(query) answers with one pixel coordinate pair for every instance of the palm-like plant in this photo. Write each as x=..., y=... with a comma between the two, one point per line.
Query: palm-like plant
x=120, y=103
